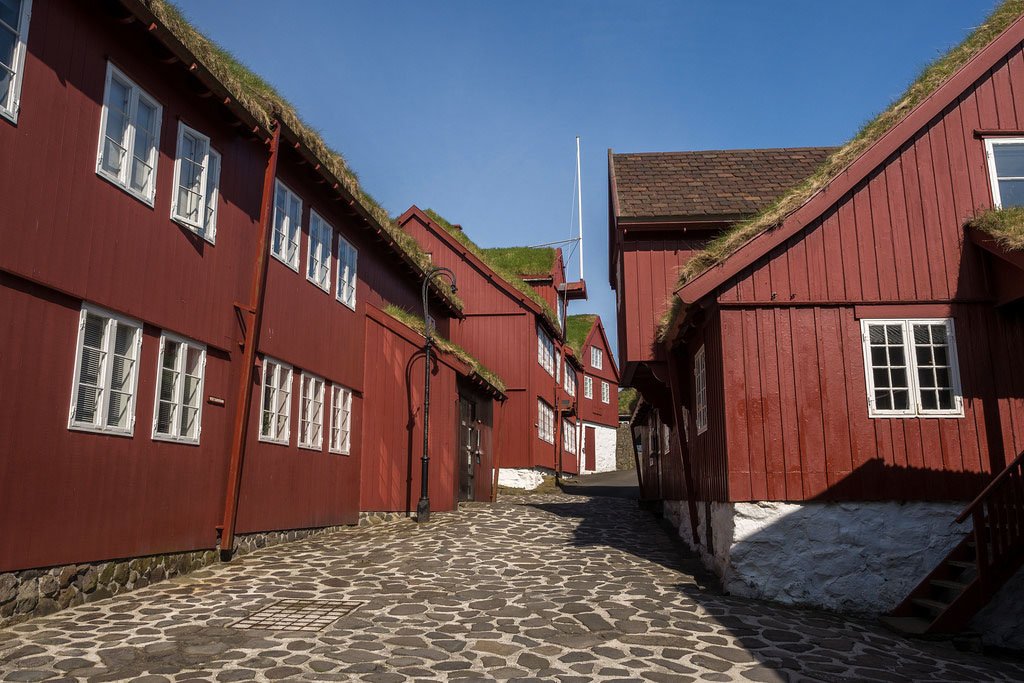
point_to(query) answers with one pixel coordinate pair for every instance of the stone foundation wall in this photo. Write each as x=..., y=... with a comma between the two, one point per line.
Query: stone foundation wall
x=521, y=478
x=605, y=439
x=37, y=592
x=375, y=518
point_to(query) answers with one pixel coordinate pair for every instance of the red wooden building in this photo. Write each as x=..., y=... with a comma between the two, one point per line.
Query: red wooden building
x=830, y=388
x=509, y=323
x=598, y=401
x=201, y=286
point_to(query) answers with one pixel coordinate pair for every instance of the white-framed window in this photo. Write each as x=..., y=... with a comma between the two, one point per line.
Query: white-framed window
x=341, y=420
x=568, y=437
x=318, y=258
x=348, y=270
x=14, y=20
x=588, y=386
x=545, y=421
x=911, y=368
x=606, y=393
x=311, y=412
x=570, y=380
x=178, y=407
x=700, y=390
x=275, y=402
x=129, y=136
x=596, y=358
x=196, y=183
x=545, y=351
x=287, y=226
x=106, y=372
x=1006, y=170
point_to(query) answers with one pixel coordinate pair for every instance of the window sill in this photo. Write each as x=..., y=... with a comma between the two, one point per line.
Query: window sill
x=288, y=265
x=351, y=306
x=148, y=201
x=325, y=288
x=198, y=230
x=91, y=429
x=315, y=449
x=915, y=416
x=275, y=442
x=334, y=452
x=10, y=115
x=173, y=439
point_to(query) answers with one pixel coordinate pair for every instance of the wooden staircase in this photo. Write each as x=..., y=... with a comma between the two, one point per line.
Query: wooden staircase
x=968, y=578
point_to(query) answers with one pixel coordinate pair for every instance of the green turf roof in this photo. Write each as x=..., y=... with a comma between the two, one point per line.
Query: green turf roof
x=485, y=255
x=1006, y=226
x=927, y=83
x=576, y=329
x=264, y=103
x=524, y=260
x=416, y=323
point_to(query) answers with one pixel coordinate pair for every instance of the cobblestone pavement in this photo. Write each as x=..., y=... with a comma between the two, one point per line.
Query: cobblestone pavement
x=553, y=587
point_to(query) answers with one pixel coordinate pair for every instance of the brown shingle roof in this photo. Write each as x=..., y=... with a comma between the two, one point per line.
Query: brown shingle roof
x=709, y=183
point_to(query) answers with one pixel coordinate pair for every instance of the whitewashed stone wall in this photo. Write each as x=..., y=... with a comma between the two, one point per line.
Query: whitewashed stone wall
x=521, y=478
x=605, y=440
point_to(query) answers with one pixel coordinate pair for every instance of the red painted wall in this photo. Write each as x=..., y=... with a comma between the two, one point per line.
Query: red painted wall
x=594, y=409
x=796, y=409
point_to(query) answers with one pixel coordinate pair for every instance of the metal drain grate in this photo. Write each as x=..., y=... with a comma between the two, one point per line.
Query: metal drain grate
x=298, y=615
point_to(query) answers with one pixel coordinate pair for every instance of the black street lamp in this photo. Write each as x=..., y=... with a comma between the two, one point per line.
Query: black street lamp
x=423, y=507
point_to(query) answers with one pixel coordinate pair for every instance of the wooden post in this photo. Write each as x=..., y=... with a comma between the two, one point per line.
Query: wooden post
x=677, y=414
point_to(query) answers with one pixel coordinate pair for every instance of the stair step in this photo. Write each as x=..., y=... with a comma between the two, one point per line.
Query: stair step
x=911, y=625
x=960, y=564
x=957, y=586
x=931, y=605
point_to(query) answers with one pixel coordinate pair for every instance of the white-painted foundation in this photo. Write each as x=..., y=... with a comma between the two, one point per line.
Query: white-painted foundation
x=605, y=438
x=526, y=478
x=861, y=558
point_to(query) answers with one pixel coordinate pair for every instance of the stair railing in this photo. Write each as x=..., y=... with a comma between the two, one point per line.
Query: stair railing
x=997, y=514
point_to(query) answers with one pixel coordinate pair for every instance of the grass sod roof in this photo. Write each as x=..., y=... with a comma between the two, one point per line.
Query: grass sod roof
x=628, y=398
x=1005, y=226
x=933, y=76
x=415, y=322
x=576, y=329
x=497, y=265
x=524, y=261
x=264, y=103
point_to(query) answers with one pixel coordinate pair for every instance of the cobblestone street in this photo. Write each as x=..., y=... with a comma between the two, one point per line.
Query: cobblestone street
x=547, y=587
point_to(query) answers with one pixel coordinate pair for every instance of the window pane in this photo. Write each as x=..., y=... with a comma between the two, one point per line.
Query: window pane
x=1011, y=193
x=881, y=377
x=8, y=41
x=896, y=356
x=212, y=192
x=10, y=12
x=945, y=399
x=876, y=334
x=899, y=377
x=901, y=399
x=929, y=400
x=894, y=334
x=1009, y=160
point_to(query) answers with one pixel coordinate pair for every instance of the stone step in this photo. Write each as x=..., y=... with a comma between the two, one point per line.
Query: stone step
x=911, y=625
x=935, y=607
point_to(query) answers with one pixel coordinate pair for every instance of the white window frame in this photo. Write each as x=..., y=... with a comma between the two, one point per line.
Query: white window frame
x=309, y=415
x=545, y=351
x=915, y=408
x=106, y=369
x=206, y=225
x=12, y=106
x=289, y=233
x=123, y=178
x=588, y=386
x=348, y=273
x=571, y=381
x=179, y=400
x=319, y=251
x=275, y=437
x=700, y=390
x=596, y=358
x=545, y=421
x=606, y=392
x=341, y=429
x=569, y=437
x=993, y=173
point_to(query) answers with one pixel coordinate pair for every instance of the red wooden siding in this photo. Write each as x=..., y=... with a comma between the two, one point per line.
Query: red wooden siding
x=708, y=450
x=796, y=405
x=649, y=273
x=393, y=423
x=594, y=409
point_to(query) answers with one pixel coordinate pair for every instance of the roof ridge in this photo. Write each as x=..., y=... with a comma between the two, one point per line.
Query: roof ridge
x=729, y=150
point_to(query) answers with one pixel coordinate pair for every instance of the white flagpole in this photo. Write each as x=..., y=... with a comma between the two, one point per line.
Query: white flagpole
x=579, y=179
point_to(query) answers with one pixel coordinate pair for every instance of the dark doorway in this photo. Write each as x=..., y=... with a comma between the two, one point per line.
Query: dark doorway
x=476, y=461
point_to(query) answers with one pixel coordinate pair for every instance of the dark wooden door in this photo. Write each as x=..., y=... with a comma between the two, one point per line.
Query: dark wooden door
x=590, y=448
x=483, y=464
x=469, y=440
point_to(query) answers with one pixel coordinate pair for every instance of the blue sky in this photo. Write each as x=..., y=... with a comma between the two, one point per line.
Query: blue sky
x=472, y=107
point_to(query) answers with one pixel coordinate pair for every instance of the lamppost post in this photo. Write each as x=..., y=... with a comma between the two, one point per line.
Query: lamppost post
x=423, y=507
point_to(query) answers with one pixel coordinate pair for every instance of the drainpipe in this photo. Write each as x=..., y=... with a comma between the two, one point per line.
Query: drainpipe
x=254, y=309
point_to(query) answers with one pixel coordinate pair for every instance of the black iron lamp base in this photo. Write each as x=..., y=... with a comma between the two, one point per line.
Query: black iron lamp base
x=423, y=510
